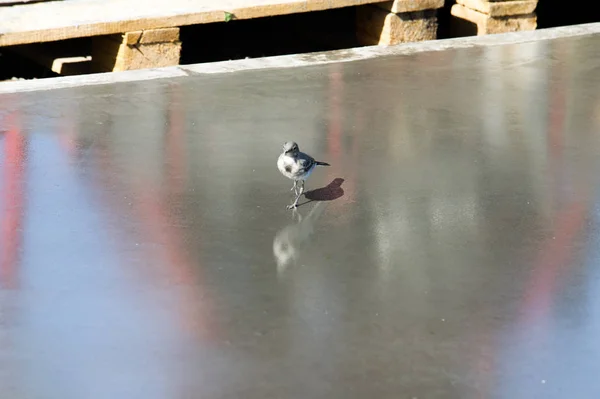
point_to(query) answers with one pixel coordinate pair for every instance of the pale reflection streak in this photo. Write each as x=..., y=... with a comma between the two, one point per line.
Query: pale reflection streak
x=497, y=103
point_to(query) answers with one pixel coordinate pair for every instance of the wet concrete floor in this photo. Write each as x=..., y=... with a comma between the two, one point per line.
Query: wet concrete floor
x=450, y=251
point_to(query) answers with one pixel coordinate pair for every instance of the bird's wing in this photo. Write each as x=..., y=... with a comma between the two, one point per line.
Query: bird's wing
x=305, y=163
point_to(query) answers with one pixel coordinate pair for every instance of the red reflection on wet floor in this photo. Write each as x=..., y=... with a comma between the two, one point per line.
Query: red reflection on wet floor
x=156, y=225
x=68, y=132
x=554, y=257
x=553, y=261
x=175, y=143
x=12, y=193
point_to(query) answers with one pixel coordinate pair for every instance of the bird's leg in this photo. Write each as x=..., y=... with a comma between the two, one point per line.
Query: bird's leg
x=298, y=195
x=298, y=190
x=295, y=204
x=294, y=186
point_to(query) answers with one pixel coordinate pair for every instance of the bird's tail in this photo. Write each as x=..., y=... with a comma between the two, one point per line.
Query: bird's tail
x=322, y=163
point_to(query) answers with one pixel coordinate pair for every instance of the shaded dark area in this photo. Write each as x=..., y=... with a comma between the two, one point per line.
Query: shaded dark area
x=553, y=13
x=13, y=65
x=461, y=28
x=262, y=37
x=444, y=20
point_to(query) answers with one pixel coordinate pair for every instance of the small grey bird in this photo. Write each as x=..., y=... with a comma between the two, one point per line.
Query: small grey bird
x=297, y=166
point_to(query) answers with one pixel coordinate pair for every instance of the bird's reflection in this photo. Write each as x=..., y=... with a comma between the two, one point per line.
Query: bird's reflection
x=289, y=240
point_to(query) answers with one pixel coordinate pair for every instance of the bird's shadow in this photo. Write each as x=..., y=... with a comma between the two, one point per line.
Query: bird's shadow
x=330, y=192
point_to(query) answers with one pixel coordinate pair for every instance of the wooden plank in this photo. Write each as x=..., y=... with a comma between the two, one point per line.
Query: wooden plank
x=52, y=21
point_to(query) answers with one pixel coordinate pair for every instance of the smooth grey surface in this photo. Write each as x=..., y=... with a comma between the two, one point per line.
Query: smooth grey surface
x=450, y=251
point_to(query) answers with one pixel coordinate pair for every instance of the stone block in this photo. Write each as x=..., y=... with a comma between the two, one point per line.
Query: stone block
x=487, y=24
x=376, y=26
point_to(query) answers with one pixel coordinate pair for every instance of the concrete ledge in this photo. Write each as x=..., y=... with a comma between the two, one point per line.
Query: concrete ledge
x=290, y=61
